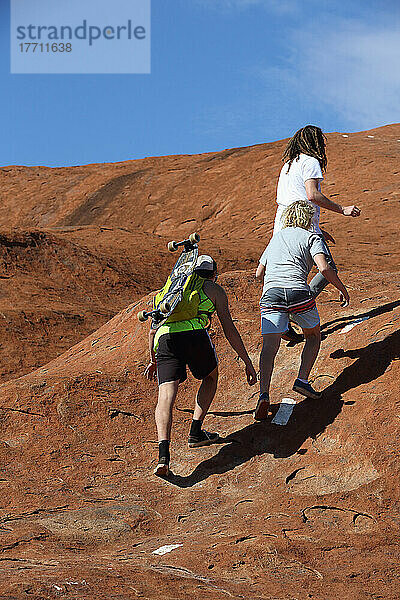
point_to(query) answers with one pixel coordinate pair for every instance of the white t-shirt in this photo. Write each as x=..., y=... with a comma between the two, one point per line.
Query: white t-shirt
x=291, y=187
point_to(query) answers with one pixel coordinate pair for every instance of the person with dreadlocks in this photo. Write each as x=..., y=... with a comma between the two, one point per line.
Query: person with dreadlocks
x=300, y=178
x=284, y=267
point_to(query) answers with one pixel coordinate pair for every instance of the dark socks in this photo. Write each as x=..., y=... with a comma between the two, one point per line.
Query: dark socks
x=163, y=450
x=195, y=427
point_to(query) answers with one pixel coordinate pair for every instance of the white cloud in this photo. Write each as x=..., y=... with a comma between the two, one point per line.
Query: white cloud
x=342, y=74
x=352, y=69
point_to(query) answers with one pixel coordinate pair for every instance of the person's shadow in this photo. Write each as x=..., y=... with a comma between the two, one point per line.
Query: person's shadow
x=309, y=418
x=337, y=324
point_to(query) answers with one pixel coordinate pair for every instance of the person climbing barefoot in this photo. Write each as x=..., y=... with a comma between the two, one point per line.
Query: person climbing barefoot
x=300, y=178
x=177, y=344
x=284, y=267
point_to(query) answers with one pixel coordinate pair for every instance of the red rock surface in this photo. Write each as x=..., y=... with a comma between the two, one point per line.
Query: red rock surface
x=86, y=241
x=308, y=510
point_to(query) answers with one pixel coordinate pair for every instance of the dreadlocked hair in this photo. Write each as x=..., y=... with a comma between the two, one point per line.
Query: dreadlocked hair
x=308, y=140
x=298, y=214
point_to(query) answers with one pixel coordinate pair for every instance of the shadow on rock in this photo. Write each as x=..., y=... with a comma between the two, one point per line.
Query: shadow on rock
x=309, y=418
x=373, y=361
x=337, y=324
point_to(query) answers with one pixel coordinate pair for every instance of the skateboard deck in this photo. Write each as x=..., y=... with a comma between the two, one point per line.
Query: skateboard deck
x=284, y=413
x=182, y=270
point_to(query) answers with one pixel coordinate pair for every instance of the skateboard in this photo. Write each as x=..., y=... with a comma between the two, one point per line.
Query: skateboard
x=182, y=270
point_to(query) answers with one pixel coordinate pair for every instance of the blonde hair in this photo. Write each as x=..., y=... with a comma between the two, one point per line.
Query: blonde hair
x=298, y=214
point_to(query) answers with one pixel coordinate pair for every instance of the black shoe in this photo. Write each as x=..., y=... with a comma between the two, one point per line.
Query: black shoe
x=292, y=336
x=262, y=408
x=306, y=390
x=205, y=438
x=162, y=469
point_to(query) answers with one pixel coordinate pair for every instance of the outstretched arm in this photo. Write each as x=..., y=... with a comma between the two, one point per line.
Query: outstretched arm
x=232, y=334
x=331, y=275
x=315, y=196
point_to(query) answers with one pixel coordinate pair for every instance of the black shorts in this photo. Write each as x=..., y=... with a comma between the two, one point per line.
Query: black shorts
x=176, y=350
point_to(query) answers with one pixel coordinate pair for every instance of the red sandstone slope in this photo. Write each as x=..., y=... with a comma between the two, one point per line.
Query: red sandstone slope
x=308, y=510
x=57, y=286
x=91, y=239
x=226, y=192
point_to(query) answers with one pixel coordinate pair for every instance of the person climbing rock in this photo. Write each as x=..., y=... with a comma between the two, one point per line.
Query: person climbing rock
x=300, y=178
x=175, y=345
x=284, y=267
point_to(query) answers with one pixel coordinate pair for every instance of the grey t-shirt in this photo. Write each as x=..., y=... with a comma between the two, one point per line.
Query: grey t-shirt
x=288, y=258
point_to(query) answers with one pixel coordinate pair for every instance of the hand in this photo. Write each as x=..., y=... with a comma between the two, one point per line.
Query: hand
x=344, y=299
x=328, y=237
x=351, y=211
x=150, y=372
x=251, y=374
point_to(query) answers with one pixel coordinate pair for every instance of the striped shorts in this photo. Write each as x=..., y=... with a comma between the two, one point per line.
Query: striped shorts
x=277, y=304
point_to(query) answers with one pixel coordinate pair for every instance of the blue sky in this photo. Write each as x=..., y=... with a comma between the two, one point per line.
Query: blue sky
x=225, y=73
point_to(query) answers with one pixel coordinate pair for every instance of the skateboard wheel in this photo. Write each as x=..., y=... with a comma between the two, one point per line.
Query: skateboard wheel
x=172, y=246
x=164, y=307
x=194, y=238
x=142, y=316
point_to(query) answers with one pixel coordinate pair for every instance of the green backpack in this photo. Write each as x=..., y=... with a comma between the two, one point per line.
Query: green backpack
x=188, y=307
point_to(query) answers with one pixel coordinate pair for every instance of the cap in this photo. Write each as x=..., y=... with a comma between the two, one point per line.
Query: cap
x=205, y=263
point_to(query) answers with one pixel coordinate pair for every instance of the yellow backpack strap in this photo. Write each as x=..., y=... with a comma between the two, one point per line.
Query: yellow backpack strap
x=161, y=293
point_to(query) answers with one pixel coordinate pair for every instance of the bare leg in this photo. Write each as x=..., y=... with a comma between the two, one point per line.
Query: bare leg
x=310, y=351
x=271, y=343
x=318, y=282
x=205, y=395
x=166, y=397
x=197, y=436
